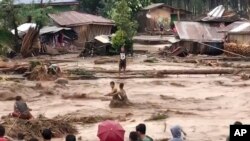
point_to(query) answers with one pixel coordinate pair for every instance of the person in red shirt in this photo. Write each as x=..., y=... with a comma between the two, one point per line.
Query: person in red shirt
x=2, y=133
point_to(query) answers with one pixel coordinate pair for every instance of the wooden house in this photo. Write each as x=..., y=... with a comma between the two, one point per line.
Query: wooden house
x=151, y=16
x=87, y=26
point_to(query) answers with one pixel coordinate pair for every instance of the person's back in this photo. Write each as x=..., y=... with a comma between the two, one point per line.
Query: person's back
x=141, y=130
x=70, y=138
x=133, y=136
x=123, y=95
x=21, y=107
x=47, y=135
x=2, y=133
x=176, y=133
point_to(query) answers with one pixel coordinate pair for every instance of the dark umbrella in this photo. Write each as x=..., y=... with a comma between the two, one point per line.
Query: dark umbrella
x=110, y=131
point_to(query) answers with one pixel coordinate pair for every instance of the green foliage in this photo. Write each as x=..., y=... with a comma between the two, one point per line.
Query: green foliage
x=91, y=6
x=122, y=15
x=38, y=14
x=15, y=15
x=6, y=41
x=119, y=39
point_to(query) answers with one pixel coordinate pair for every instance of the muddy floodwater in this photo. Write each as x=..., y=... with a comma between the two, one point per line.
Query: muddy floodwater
x=204, y=105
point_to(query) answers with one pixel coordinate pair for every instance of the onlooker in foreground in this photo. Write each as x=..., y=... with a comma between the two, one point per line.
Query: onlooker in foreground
x=141, y=130
x=70, y=138
x=2, y=133
x=20, y=137
x=235, y=123
x=177, y=133
x=133, y=136
x=47, y=134
x=21, y=110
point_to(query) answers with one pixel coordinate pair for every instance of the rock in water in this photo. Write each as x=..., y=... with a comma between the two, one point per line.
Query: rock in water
x=62, y=81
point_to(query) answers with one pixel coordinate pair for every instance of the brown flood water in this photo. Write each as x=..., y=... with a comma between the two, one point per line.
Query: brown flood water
x=203, y=105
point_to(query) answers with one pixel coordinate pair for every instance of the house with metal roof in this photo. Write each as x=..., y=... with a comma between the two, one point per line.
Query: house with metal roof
x=237, y=38
x=200, y=38
x=151, y=17
x=87, y=26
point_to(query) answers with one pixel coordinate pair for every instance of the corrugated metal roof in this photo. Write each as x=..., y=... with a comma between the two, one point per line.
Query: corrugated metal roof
x=23, y=28
x=199, y=32
x=103, y=38
x=237, y=27
x=73, y=18
x=52, y=29
x=230, y=26
x=152, y=6
x=156, y=5
x=243, y=27
x=217, y=12
x=18, y=2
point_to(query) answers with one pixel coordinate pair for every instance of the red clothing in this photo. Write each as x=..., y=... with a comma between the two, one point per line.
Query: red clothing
x=3, y=139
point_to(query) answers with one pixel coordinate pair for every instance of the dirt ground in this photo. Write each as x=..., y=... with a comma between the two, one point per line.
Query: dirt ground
x=204, y=105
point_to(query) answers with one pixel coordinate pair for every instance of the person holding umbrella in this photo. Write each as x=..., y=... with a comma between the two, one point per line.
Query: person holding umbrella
x=110, y=131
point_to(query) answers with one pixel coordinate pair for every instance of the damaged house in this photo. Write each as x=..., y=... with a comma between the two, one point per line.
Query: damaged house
x=237, y=38
x=87, y=26
x=150, y=17
x=200, y=38
x=53, y=36
x=220, y=17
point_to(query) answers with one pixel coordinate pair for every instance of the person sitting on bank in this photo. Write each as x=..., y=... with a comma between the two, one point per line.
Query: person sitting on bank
x=21, y=110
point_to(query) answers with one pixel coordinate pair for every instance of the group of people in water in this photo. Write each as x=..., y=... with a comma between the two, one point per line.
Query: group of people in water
x=119, y=97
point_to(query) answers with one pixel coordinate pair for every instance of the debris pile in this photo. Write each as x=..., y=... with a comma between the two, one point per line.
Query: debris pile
x=106, y=60
x=33, y=128
x=39, y=73
x=31, y=44
x=243, y=49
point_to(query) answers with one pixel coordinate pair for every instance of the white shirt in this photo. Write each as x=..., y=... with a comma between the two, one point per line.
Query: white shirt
x=122, y=56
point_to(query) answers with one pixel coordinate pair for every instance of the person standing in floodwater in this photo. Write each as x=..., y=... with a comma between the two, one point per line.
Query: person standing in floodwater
x=122, y=62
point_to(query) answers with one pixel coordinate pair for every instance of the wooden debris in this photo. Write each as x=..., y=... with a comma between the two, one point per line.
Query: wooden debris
x=106, y=60
x=198, y=71
x=150, y=60
x=30, y=43
x=242, y=49
x=33, y=128
x=158, y=116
